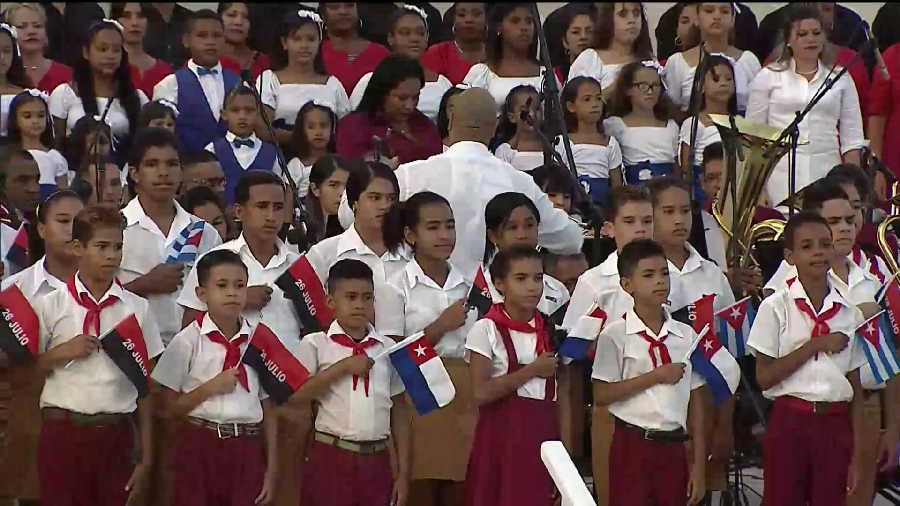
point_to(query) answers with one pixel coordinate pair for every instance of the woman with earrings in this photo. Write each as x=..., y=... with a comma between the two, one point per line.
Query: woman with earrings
x=347, y=55
x=833, y=127
x=454, y=58
x=12, y=74
x=578, y=35
x=30, y=20
x=237, y=56
x=146, y=70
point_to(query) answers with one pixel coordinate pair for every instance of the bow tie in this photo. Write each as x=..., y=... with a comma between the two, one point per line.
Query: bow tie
x=242, y=142
x=203, y=71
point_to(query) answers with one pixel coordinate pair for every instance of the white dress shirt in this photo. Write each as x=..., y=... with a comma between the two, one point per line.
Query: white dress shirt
x=34, y=282
x=66, y=104
x=521, y=160
x=781, y=327
x=288, y=99
x=706, y=135
x=696, y=278
x=481, y=76
x=192, y=359
x=145, y=247
x=300, y=174
x=589, y=64
x=679, y=77
x=599, y=286
x=833, y=127
x=93, y=384
x=622, y=354
x=279, y=313
x=213, y=86
x=244, y=154
x=344, y=411
x=429, y=97
x=648, y=143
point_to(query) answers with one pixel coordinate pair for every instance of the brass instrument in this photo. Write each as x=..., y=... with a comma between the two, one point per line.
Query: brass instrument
x=886, y=252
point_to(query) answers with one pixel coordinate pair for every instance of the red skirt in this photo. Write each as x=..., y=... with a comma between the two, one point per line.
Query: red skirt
x=505, y=467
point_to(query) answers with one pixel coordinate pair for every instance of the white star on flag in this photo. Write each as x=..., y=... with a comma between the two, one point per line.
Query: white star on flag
x=870, y=330
x=736, y=312
x=707, y=344
x=420, y=351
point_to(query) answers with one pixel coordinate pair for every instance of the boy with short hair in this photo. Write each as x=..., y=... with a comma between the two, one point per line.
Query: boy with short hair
x=359, y=414
x=642, y=373
x=20, y=180
x=204, y=379
x=89, y=406
x=807, y=362
x=202, y=169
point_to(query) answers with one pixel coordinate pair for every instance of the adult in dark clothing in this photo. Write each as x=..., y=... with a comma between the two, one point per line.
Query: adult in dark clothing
x=555, y=31
x=745, y=27
x=66, y=23
x=847, y=31
x=165, y=26
x=376, y=17
x=885, y=25
x=266, y=19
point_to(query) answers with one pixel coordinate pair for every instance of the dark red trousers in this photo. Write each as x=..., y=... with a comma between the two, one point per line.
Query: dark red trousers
x=805, y=458
x=335, y=477
x=217, y=472
x=646, y=473
x=82, y=465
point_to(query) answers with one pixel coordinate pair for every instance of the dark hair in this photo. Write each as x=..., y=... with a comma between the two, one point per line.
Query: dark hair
x=493, y=46
x=695, y=30
x=199, y=15
x=75, y=147
x=16, y=74
x=412, y=208
x=634, y=252
x=241, y=90
x=14, y=133
x=216, y=258
x=848, y=173
x=551, y=260
x=151, y=137
x=797, y=12
x=393, y=70
x=798, y=220
x=660, y=184
x=821, y=191
x=348, y=269
x=443, y=119
x=117, y=9
x=299, y=144
x=199, y=196
x=291, y=23
x=92, y=218
x=570, y=95
x=322, y=7
x=82, y=76
x=253, y=178
x=506, y=129
x=712, y=152
x=605, y=30
x=664, y=110
x=84, y=185
x=36, y=246
x=500, y=265
x=402, y=11
x=153, y=111
x=8, y=157
x=361, y=176
x=198, y=157
x=710, y=62
x=498, y=210
x=320, y=171
x=573, y=11
x=622, y=195
x=554, y=178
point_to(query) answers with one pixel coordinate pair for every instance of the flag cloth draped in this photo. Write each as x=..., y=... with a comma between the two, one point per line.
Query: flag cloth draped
x=280, y=372
x=423, y=373
x=126, y=347
x=877, y=338
x=302, y=286
x=19, y=326
x=734, y=324
x=186, y=246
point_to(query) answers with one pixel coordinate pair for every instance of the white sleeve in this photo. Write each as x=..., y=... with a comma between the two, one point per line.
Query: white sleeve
x=174, y=364
x=342, y=105
x=359, y=90
x=583, y=298
x=61, y=100
x=478, y=339
x=608, y=358
x=676, y=147
x=390, y=310
x=319, y=262
x=345, y=214
x=150, y=330
x=142, y=98
x=673, y=74
x=850, y=125
x=586, y=64
x=505, y=152
x=614, y=127
x=478, y=76
x=758, y=101
x=766, y=329
x=167, y=88
x=308, y=354
x=556, y=232
x=269, y=93
x=62, y=166
x=615, y=154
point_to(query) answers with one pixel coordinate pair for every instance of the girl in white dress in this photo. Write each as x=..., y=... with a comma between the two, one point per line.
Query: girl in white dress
x=13, y=79
x=833, y=127
x=520, y=145
x=298, y=76
x=312, y=138
x=621, y=36
x=598, y=158
x=511, y=53
x=30, y=128
x=642, y=123
x=716, y=21
x=408, y=35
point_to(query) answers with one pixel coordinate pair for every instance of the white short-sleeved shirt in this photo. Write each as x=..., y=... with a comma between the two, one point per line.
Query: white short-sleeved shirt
x=288, y=99
x=864, y=262
x=696, y=278
x=485, y=340
x=192, y=359
x=679, y=77
x=66, y=104
x=521, y=160
x=51, y=164
x=593, y=160
x=644, y=144
x=300, y=174
x=213, y=86
x=5, y=101
x=245, y=155
x=145, y=247
x=345, y=412
x=622, y=354
x=429, y=97
x=599, y=286
x=7, y=236
x=350, y=245
x=93, y=384
x=279, y=313
x=706, y=135
x=420, y=301
x=781, y=327
x=34, y=282
x=589, y=64
x=481, y=76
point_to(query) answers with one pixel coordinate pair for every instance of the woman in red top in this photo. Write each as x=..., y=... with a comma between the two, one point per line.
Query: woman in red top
x=30, y=20
x=146, y=70
x=388, y=112
x=346, y=54
x=884, y=111
x=236, y=54
x=453, y=58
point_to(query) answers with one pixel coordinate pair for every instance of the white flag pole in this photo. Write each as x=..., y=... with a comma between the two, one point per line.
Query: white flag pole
x=566, y=478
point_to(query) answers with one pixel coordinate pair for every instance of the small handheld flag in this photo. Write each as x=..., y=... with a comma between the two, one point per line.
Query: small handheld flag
x=583, y=334
x=17, y=254
x=279, y=371
x=718, y=367
x=876, y=336
x=186, y=246
x=423, y=373
x=889, y=299
x=302, y=286
x=697, y=314
x=480, y=294
x=19, y=326
x=734, y=324
x=126, y=347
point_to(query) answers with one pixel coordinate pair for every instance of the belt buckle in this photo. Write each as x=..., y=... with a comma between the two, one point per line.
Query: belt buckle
x=819, y=407
x=648, y=434
x=226, y=436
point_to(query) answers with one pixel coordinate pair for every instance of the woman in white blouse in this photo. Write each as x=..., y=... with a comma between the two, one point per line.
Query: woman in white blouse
x=299, y=75
x=408, y=36
x=621, y=36
x=834, y=125
x=511, y=53
x=716, y=21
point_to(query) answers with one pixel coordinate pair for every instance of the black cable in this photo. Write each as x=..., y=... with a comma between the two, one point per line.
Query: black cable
x=100, y=165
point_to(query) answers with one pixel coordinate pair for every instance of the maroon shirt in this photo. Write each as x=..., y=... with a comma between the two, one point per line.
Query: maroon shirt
x=147, y=80
x=355, y=131
x=338, y=63
x=260, y=63
x=57, y=74
x=444, y=58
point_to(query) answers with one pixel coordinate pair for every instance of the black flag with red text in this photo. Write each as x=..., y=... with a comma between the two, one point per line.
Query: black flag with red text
x=126, y=347
x=19, y=326
x=302, y=286
x=280, y=373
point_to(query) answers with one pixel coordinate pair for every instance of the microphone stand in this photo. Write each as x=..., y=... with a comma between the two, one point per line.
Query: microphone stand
x=100, y=165
x=694, y=110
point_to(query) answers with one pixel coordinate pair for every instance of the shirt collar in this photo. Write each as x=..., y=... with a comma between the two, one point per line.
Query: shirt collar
x=468, y=148
x=796, y=291
x=634, y=325
x=207, y=326
x=281, y=251
x=230, y=137
x=610, y=266
x=335, y=328
x=135, y=215
x=193, y=67
x=40, y=276
x=855, y=274
x=694, y=260
x=351, y=240
x=415, y=275
x=115, y=290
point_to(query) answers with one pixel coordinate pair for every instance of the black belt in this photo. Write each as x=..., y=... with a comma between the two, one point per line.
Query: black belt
x=675, y=436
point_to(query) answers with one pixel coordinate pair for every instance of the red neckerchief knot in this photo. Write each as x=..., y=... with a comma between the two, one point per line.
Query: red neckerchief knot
x=820, y=322
x=359, y=348
x=657, y=344
x=91, y=323
x=232, y=355
x=498, y=315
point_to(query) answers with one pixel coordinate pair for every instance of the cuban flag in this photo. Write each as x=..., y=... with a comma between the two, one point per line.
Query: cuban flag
x=889, y=299
x=19, y=326
x=185, y=247
x=480, y=294
x=423, y=373
x=718, y=367
x=17, y=254
x=302, y=286
x=126, y=347
x=877, y=338
x=280, y=373
x=583, y=334
x=697, y=314
x=734, y=324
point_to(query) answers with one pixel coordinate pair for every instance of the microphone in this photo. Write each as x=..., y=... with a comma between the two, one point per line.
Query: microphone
x=246, y=76
x=377, y=144
x=525, y=113
x=879, y=61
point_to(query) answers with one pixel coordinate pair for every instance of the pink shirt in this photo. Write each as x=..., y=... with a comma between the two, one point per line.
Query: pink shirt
x=147, y=80
x=338, y=63
x=260, y=64
x=57, y=74
x=444, y=58
x=884, y=100
x=355, y=131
